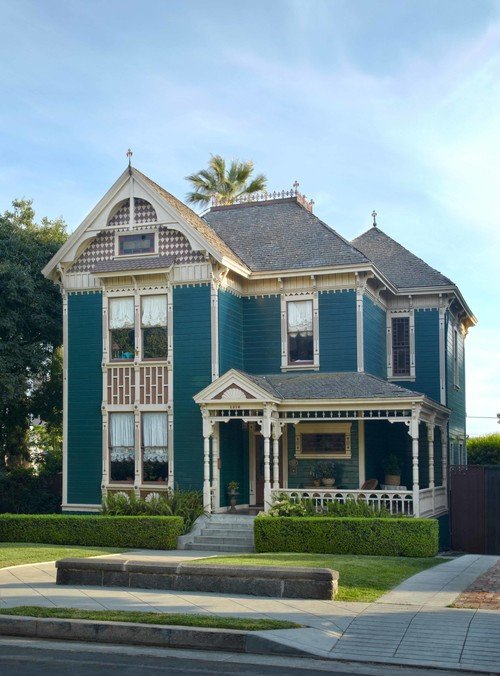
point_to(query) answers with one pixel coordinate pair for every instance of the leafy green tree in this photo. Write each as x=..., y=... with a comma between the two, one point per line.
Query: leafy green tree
x=30, y=327
x=484, y=450
x=223, y=184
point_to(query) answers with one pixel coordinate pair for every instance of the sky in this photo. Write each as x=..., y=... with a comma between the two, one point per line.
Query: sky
x=390, y=105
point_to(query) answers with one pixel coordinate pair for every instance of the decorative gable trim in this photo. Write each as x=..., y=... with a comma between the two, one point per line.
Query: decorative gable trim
x=235, y=386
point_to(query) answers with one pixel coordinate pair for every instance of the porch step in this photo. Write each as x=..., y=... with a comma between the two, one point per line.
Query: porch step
x=218, y=547
x=222, y=533
x=224, y=539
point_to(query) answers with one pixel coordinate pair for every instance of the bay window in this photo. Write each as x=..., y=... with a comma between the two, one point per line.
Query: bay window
x=154, y=327
x=121, y=328
x=121, y=447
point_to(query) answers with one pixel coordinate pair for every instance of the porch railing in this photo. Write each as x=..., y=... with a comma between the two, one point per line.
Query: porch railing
x=397, y=502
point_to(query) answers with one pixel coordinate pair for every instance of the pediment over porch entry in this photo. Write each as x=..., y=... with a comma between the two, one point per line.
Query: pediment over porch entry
x=235, y=387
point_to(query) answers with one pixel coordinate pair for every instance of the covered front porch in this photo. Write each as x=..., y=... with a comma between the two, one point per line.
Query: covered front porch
x=270, y=433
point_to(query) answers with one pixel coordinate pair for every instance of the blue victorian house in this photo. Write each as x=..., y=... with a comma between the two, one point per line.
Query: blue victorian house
x=255, y=344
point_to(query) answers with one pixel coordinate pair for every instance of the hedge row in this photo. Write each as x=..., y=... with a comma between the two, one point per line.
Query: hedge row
x=149, y=532
x=344, y=535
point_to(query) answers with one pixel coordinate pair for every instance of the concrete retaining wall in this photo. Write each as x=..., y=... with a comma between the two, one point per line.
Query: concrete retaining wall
x=276, y=582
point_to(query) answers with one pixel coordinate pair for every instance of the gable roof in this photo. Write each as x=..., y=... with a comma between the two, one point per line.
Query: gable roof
x=193, y=219
x=400, y=266
x=341, y=385
x=280, y=235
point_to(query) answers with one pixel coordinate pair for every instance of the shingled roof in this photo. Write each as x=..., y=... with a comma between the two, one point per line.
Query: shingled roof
x=400, y=266
x=279, y=235
x=345, y=385
x=134, y=264
x=193, y=219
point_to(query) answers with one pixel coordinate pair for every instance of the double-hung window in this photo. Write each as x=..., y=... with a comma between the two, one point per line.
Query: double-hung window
x=400, y=345
x=154, y=447
x=154, y=327
x=299, y=333
x=121, y=328
x=121, y=447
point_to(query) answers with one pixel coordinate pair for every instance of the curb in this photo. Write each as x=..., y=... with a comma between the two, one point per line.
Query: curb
x=164, y=636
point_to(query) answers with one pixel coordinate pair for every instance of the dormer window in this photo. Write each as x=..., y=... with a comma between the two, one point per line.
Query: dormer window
x=137, y=243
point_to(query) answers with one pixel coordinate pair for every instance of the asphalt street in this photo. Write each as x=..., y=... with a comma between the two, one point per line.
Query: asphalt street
x=30, y=657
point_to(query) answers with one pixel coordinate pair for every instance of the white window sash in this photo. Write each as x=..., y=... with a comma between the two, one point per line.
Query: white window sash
x=154, y=311
x=121, y=313
x=300, y=317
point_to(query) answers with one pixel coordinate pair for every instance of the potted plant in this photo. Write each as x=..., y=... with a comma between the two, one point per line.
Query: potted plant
x=315, y=474
x=232, y=491
x=327, y=473
x=392, y=469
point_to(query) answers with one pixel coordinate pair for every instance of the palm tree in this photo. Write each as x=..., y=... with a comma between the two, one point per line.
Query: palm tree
x=225, y=186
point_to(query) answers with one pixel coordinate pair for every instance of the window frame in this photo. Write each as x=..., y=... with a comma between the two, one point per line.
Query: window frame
x=389, y=345
x=455, y=358
x=132, y=232
x=120, y=482
x=323, y=428
x=141, y=328
x=154, y=482
x=125, y=360
x=286, y=365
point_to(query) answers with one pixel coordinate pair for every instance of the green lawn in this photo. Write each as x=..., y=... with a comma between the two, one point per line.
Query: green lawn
x=361, y=578
x=16, y=553
x=178, y=619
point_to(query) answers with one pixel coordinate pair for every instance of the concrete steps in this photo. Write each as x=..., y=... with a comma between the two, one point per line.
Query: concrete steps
x=222, y=533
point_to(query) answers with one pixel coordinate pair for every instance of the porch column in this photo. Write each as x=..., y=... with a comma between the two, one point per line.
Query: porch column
x=444, y=456
x=215, y=467
x=207, y=433
x=430, y=440
x=415, y=419
x=277, y=431
x=266, y=433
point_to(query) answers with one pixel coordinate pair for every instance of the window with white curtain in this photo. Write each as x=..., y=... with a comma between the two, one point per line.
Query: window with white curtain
x=121, y=328
x=154, y=327
x=155, y=446
x=121, y=447
x=300, y=332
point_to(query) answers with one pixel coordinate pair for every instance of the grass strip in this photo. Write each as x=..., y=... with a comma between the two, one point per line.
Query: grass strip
x=361, y=578
x=136, y=617
x=19, y=553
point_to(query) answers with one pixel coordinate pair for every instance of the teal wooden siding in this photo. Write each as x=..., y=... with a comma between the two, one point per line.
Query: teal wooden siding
x=426, y=355
x=374, y=338
x=262, y=334
x=230, y=332
x=234, y=460
x=337, y=331
x=383, y=438
x=192, y=372
x=346, y=471
x=84, y=398
x=455, y=398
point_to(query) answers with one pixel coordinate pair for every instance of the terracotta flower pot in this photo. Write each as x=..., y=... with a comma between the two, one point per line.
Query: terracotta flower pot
x=392, y=479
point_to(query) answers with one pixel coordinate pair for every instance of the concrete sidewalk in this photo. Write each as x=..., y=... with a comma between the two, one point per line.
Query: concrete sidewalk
x=410, y=625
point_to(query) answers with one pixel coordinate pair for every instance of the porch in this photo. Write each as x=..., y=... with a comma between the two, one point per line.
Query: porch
x=246, y=415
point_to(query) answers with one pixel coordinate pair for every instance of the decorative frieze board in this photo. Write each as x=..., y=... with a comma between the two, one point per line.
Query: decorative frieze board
x=405, y=302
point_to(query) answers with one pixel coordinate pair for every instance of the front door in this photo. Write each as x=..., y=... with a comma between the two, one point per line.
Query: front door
x=259, y=467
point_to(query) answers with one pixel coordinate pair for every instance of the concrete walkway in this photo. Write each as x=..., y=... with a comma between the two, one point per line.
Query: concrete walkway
x=409, y=625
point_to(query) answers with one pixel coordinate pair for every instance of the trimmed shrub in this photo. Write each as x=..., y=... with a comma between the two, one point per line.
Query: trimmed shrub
x=484, y=450
x=344, y=535
x=149, y=532
x=284, y=505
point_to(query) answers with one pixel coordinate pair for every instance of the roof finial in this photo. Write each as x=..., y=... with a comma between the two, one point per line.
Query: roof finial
x=374, y=216
x=129, y=155
x=296, y=187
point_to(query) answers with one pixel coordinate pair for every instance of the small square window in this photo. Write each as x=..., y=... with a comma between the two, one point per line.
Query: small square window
x=139, y=243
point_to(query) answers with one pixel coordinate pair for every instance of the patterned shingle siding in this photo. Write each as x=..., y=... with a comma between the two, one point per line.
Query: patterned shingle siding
x=337, y=331
x=262, y=334
x=84, y=398
x=426, y=354
x=192, y=372
x=374, y=343
x=230, y=331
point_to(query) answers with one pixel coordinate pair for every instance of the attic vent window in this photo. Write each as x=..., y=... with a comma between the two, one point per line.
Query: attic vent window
x=140, y=243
